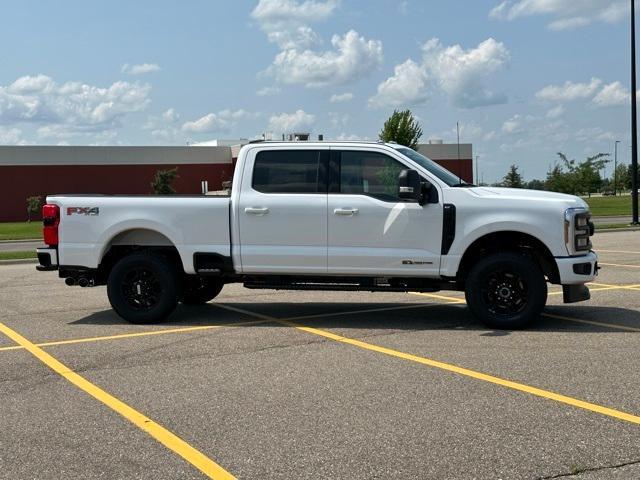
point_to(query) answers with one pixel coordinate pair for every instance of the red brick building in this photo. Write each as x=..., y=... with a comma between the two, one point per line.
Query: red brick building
x=42, y=170
x=27, y=171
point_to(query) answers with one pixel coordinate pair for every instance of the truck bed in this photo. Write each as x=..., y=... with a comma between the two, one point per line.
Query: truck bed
x=91, y=224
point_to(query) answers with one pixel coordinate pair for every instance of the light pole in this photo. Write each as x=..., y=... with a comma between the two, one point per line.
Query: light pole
x=615, y=169
x=634, y=120
x=477, y=171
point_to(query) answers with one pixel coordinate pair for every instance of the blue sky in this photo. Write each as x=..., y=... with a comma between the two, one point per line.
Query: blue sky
x=525, y=78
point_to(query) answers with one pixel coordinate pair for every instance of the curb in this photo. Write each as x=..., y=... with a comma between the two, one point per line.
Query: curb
x=18, y=261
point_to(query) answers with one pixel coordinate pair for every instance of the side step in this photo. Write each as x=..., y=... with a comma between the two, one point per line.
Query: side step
x=339, y=287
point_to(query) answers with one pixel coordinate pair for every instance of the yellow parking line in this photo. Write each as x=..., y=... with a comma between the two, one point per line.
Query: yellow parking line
x=610, y=412
x=572, y=319
x=440, y=297
x=614, y=287
x=136, y=334
x=618, y=265
x=161, y=434
x=618, y=251
x=592, y=322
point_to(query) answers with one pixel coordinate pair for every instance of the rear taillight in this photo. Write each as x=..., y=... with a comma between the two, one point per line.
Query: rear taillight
x=50, y=220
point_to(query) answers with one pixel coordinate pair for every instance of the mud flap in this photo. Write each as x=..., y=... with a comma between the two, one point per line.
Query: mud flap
x=575, y=293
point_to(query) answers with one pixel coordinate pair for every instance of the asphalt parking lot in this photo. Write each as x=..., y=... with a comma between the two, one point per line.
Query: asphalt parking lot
x=265, y=384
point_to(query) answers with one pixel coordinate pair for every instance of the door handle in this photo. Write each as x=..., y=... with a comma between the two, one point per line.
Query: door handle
x=345, y=211
x=256, y=210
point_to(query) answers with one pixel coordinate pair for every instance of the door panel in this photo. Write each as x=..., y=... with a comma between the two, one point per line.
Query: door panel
x=283, y=212
x=371, y=231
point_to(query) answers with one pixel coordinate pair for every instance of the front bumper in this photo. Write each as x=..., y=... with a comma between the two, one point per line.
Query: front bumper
x=48, y=259
x=579, y=269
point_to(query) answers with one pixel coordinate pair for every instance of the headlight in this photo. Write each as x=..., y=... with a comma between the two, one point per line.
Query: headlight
x=577, y=230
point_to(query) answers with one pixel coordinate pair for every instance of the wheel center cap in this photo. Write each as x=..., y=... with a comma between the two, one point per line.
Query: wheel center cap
x=504, y=292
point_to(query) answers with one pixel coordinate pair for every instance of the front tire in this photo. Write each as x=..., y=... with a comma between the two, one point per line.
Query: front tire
x=142, y=288
x=506, y=291
x=199, y=290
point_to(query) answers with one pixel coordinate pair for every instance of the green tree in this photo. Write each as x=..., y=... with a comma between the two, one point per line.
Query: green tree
x=588, y=173
x=512, y=179
x=630, y=177
x=558, y=180
x=535, y=184
x=401, y=127
x=620, y=179
x=33, y=206
x=569, y=176
x=162, y=181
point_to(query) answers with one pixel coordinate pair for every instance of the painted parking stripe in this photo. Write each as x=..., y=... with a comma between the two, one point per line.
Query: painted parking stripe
x=574, y=402
x=591, y=322
x=174, y=443
x=571, y=319
x=619, y=251
x=136, y=334
x=621, y=265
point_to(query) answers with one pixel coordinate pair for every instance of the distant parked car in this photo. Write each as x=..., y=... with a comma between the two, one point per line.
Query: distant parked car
x=608, y=193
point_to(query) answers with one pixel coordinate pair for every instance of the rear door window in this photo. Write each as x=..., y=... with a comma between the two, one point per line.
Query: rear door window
x=288, y=171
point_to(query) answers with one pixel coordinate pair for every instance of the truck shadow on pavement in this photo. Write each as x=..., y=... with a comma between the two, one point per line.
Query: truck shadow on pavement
x=389, y=316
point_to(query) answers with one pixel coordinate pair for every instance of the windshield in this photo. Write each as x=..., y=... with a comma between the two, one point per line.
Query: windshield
x=432, y=167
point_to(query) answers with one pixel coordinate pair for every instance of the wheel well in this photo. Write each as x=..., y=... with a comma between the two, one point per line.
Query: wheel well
x=138, y=241
x=508, y=241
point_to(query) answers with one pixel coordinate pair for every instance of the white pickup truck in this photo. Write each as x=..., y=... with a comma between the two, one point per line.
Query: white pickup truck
x=327, y=216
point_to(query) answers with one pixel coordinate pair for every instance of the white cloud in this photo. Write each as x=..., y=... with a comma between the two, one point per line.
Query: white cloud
x=268, y=91
x=342, y=97
x=513, y=125
x=140, y=69
x=612, y=95
x=223, y=121
x=287, y=24
x=10, y=136
x=458, y=72
x=339, y=120
x=290, y=122
x=353, y=57
x=566, y=14
x=555, y=112
x=170, y=116
x=72, y=105
x=569, y=91
x=406, y=87
x=286, y=21
x=351, y=137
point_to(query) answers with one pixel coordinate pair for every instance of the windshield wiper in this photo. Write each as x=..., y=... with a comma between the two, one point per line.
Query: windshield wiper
x=464, y=185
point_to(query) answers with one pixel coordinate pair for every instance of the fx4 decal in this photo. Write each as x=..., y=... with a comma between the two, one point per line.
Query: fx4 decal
x=83, y=211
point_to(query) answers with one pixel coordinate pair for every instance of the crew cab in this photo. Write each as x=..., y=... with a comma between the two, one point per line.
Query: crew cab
x=363, y=216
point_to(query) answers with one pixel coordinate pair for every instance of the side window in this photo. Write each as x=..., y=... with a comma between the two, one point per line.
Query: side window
x=287, y=171
x=370, y=173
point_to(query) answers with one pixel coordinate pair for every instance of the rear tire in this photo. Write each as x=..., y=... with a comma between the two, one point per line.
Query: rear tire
x=142, y=288
x=506, y=291
x=200, y=290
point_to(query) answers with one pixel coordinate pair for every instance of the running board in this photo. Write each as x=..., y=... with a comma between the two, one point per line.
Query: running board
x=338, y=287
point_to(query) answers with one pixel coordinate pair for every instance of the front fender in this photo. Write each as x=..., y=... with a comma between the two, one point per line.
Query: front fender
x=467, y=232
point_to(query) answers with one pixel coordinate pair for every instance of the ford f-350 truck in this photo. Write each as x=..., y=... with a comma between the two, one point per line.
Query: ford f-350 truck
x=363, y=216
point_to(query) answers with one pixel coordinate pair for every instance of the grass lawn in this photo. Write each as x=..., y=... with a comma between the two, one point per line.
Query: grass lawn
x=609, y=205
x=20, y=230
x=18, y=255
